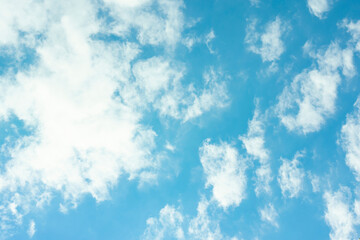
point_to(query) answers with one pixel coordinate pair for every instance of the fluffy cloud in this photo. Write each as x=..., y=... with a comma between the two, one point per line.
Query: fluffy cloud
x=225, y=171
x=82, y=137
x=338, y=215
x=269, y=214
x=254, y=142
x=350, y=139
x=305, y=104
x=168, y=225
x=269, y=44
x=291, y=177
x=319, y=7
x=82, y=99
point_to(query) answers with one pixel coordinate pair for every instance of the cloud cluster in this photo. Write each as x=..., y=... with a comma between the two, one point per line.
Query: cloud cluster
x=305, y=104
x=84, y=94
x=171, y=224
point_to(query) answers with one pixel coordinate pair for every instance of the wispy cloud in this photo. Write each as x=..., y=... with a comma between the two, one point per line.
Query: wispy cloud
x=291, y=177
x=270, y=215
x=168, y=225
x=31, y=230
x=254, y=143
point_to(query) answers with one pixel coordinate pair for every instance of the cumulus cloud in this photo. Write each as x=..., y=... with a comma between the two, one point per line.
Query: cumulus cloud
x=269, y=44
x=291, y=177
x=83, y=98
x=254, y=143
x=224, y=169
x=168, y=225
x=338, y=214
x=319, y=7
x=350, y=139
x=269, y=214
x=305, y=104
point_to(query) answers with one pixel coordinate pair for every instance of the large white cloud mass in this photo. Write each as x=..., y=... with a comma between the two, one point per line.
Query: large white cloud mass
x=82, y=98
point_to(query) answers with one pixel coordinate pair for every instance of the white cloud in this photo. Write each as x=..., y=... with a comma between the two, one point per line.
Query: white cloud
x=315, y=182
x=213, y=95
x=28, y=17
x=338, y=215
x=170, y=147
x=202, y=227
x=155, y=76
x=171, y=224
x=152, y=28
x=268, y=45
x=269, y=214
x=83, y=99
x=168, y=225
x=350, y=139
x=254, y=142
x=310, y=99
x=208, y=39
x=354, y=29
x=291, y=177
x=255, y=3
x=224, y=169
x=31, y=231
x=319, y=7
x=159, y=80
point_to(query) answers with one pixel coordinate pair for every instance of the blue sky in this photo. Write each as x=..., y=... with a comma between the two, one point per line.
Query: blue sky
x=175, y=119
